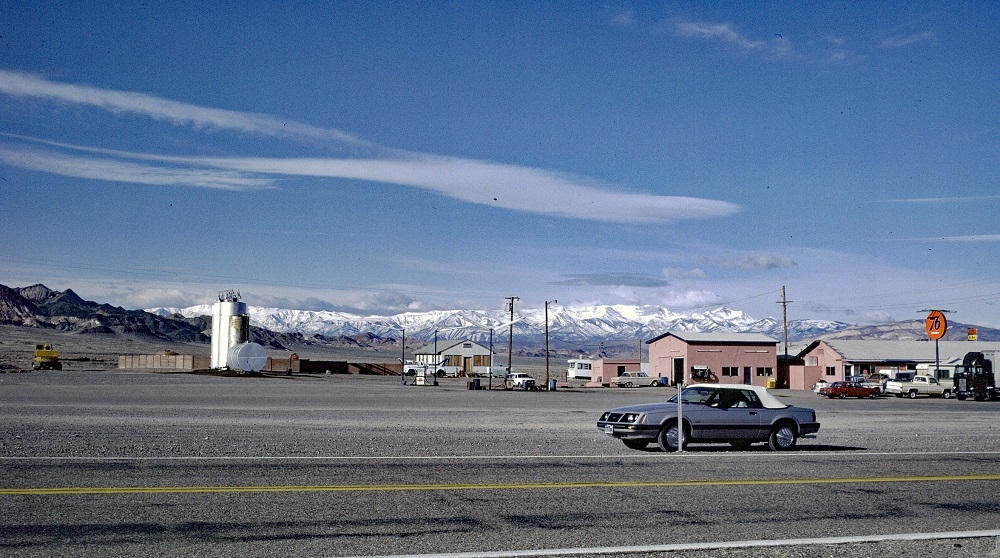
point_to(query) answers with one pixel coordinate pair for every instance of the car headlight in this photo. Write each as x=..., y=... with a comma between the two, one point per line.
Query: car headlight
x=634, y=418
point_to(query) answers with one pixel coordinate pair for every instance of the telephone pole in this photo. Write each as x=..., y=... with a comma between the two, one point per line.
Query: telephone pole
x=510, y=337
x=547, y=341
x=784, y=317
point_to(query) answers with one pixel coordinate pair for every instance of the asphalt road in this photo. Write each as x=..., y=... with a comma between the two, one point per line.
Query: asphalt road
x=126, y=463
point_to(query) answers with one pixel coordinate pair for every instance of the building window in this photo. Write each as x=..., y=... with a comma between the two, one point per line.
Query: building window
x=765, y=371
x=812, y=361
x=730, y=370
x=831, y=370
x=481, y=360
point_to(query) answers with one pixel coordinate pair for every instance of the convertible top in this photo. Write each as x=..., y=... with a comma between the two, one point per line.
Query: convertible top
x=769, y=401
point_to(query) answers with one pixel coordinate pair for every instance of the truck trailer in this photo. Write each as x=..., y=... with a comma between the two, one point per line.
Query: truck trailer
x=976, y=377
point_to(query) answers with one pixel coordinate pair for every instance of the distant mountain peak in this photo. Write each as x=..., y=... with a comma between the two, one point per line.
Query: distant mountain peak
x=569, y=326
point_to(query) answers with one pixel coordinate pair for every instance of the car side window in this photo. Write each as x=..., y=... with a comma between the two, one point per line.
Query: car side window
x=752, y=400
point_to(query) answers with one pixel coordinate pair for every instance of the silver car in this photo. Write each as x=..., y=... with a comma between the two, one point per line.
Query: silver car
x=712, y=413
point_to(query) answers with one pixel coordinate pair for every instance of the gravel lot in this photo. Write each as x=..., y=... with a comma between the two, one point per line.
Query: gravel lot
x=126, y=428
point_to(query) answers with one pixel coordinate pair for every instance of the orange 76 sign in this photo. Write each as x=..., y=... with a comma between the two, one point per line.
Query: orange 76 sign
x=936, y=324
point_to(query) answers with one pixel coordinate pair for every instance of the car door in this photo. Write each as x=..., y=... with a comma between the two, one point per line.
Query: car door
x=728, y=414
x=745, y=412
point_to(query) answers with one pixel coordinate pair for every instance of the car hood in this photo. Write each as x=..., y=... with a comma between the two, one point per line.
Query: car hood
x=643, y=408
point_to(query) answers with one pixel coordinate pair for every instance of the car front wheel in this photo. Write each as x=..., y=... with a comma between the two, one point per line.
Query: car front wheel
x=782, y=437
x=946, y=394
x=667, y=440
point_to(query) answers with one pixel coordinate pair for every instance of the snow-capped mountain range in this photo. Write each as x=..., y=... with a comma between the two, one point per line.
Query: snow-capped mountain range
x=568, y=326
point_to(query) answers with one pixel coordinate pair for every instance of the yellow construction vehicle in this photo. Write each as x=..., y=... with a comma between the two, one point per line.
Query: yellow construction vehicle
x=46, y=358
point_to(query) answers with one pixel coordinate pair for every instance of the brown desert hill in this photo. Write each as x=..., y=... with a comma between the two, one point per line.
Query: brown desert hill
x=97, y=333
x=44, y=308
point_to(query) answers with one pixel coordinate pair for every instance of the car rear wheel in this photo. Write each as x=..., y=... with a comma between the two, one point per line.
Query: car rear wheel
x=782, y=437
x=843, y=395
x=872, y=395
x=912, y=395
x=667, y=440
x=635, y=444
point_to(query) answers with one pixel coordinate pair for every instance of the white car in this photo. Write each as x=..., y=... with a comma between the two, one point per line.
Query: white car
x=629, y=379
x=518, y=380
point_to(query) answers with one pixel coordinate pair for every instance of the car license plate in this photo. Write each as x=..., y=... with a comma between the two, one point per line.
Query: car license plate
x=609, y=429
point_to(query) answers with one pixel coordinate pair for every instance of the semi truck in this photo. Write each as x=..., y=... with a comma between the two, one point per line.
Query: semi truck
x=976, y=377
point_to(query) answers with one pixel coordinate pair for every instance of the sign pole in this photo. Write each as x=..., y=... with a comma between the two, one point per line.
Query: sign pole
x=936, y=326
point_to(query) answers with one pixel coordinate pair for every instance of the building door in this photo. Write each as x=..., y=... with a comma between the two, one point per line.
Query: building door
x=747, y=378
x=678, y=371
x=467, y=366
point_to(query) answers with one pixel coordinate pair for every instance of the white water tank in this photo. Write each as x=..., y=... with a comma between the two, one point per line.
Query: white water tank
x=248, y=357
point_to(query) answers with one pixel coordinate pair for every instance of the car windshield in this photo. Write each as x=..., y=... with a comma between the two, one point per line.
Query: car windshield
x=695, y=395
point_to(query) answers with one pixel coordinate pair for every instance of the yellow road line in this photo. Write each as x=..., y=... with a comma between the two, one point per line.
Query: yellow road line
x=478, y=486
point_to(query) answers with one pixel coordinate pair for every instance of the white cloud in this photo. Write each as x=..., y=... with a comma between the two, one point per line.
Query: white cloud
x=754, y=260
x=127, y=171
x=724, y=32
x=896, y=42
x=512, y=187
x=526, y=189
x=18, y=84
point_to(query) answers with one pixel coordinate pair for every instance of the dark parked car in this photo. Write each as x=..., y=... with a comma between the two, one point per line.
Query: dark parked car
x=845, y=389
x=712, y=413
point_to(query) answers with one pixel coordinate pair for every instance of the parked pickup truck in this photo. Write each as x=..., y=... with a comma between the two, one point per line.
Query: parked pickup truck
x=920, y=385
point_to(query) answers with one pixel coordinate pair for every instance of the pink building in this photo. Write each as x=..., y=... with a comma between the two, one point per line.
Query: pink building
x=726, y=358
x=607, y=368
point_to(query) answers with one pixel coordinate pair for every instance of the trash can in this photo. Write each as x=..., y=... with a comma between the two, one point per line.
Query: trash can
x=471, y=385
x=664, y=381
x=475, y=382
x=552, y=385
x=770, y=383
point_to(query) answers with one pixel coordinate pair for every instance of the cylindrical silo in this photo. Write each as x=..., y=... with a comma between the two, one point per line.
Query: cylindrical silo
x=225, y=333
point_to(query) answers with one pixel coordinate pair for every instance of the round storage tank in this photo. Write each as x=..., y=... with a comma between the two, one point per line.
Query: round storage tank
x=248, y=357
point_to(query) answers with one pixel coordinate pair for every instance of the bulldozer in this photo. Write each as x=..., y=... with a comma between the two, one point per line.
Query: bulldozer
x=46, y=358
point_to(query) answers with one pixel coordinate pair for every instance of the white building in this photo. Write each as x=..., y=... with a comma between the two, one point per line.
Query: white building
x=456, y=358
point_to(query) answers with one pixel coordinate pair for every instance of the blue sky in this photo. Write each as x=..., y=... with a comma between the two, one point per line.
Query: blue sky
x=381, y=157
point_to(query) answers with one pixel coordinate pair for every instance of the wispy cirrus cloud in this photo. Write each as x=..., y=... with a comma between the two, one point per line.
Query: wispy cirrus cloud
x=513, y=187
x=753, y=260
x=117, y=170
x=25, y=85
x=728, y=33
x=959, y=238
x=611, y=279
x=902, y=41
x=942, y=199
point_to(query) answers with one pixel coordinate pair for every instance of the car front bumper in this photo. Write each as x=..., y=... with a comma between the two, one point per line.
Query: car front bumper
x=631, y=431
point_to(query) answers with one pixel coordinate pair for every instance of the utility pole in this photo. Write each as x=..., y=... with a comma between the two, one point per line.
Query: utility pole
x=510, y=338
x=784, y=317
x=547, y=341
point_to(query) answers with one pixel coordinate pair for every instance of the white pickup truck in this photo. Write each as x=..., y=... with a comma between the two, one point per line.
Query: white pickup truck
x=920, y=385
